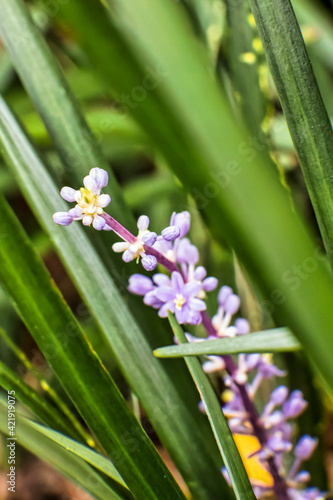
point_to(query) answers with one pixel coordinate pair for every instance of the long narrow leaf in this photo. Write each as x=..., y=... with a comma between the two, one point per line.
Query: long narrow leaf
x=181, y=427
x=302, y=104
x=48, y=390
x=77, y=366
x=71, y=466
x=38, y=405
x=232, y=460
x=92, y=457
x=277, y=340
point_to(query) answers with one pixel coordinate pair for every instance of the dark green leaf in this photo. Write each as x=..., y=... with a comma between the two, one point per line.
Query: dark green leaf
x=307, y=118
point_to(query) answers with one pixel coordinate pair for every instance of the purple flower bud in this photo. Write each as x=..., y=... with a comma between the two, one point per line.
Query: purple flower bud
x=226, y=475
x=170, y=233
x=143, y=223
x=252, y=361
x=76, y=212
x=279, y=395
x=277, y=444
x=305, y=447
x=295, y=405
x=209, y=284
x=313, y=494
x=140, y=284
x=224, y=293
x=100, y=177
x=62, y=218
x=68, y=194
x=242, y=326
x=90, y=183
x=187, y=253
x=149, y=262
x=149, y=239
x=104, y=200
x=127, y=255
x=303, y=477
x=98, y=223
x=182, y=220
x=231, y=304
x=200, y=273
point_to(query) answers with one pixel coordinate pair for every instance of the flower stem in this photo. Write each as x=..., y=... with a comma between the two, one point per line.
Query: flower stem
x=118, y=228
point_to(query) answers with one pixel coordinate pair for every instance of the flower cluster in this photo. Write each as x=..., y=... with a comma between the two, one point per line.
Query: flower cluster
x=182, y=290
x=89, y=201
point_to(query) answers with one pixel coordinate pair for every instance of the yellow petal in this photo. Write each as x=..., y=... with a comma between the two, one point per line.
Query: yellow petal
x=247, y=445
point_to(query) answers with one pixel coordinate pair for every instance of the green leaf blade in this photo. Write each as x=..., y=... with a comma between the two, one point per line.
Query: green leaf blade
x=307, y=118
x=270, y=341
x=28, y=435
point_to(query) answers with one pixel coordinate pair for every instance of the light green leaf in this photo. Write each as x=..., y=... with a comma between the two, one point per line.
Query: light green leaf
x=276, y=340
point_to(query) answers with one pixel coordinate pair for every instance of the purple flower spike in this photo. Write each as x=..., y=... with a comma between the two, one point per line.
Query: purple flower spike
x=149, y=262
x=62, y=218
x=224, y=293
x=140, y=284
x=149, y=239
x=305, y=447
x=209, y=284
x=295, y=405
x=170, y=233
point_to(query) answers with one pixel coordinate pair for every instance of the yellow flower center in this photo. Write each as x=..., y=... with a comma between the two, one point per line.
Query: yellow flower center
x=87, y=198
x=179, y=301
